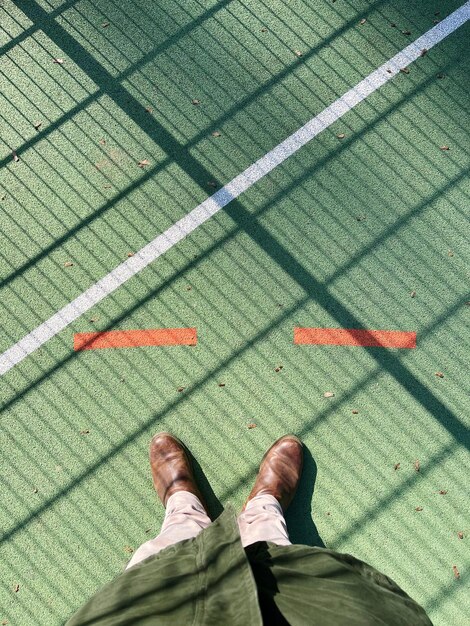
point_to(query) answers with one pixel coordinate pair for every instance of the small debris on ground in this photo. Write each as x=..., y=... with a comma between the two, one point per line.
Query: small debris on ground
x=442, y=492
x=251, y=426
x=129, y=254
x=212, y=183
x=195, y=101
x=417, y=465
x=221, y=384
x=93, y=319
x=278, y=368
x=16, y=588
x=396, y=466
x=341, y=135
x=128, y=549
x=363, y=21
x=264, y=29
x=16, y=158
x=355, y=412
x=35, y=490
x=439, y=374
x=105, y=25
x=68, y=264
x=180, y=389
x=328, y=394
x=102, y=142
x=143, y=163
x=406, y=32
x=216, y=133
x=37, y=125
x=441, y=75
x=419, y=508
x=405, y=70
x=413, y=294
x=86, y=431
x=424, y=52
x=445, y=148
x=148, y=109
x=460, y=534
x=456, y=571
x=58, y=61
x=298, y=53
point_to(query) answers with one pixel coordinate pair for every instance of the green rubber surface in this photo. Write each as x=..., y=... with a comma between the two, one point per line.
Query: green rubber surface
x=367, y=231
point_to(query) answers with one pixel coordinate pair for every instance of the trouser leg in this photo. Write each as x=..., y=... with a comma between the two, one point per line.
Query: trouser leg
x=263, y=520
x=185, y=517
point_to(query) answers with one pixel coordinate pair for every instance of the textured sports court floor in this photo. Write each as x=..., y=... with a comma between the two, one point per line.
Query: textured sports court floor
x=242, y=168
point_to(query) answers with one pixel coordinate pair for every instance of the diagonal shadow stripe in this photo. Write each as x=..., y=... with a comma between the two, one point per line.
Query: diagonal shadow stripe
x=150, y=173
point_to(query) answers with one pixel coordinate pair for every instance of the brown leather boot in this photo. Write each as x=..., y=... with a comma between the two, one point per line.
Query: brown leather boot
x=171, y=468
x=280, y=471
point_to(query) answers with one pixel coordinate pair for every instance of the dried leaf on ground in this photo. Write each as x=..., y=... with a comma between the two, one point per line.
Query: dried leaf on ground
x=442, y=492
x=460, y=534
x=129, y=254
x=180, y=389
x=251, y=426
x=341, y=135
x=143, y=163
x=68, y=264
x=86, y=431
x=439, y=374
x=396, y=466
x=417, y=465
x=128, y=549
x=456, y=571
x=221, y=384
x=419, y=508
x=355, y=412
x=328, y=394
x=16, y=588
x=278, y=368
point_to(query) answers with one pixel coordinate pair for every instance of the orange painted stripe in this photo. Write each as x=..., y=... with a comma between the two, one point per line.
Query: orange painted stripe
x=355, y=337
x=135, y=338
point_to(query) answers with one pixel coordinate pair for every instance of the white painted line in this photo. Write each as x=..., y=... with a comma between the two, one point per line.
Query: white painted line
x=230, y=191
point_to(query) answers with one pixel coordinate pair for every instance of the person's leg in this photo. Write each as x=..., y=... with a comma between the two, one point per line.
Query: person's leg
x=262, y=518
x=174, y=483
x=185, y=517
